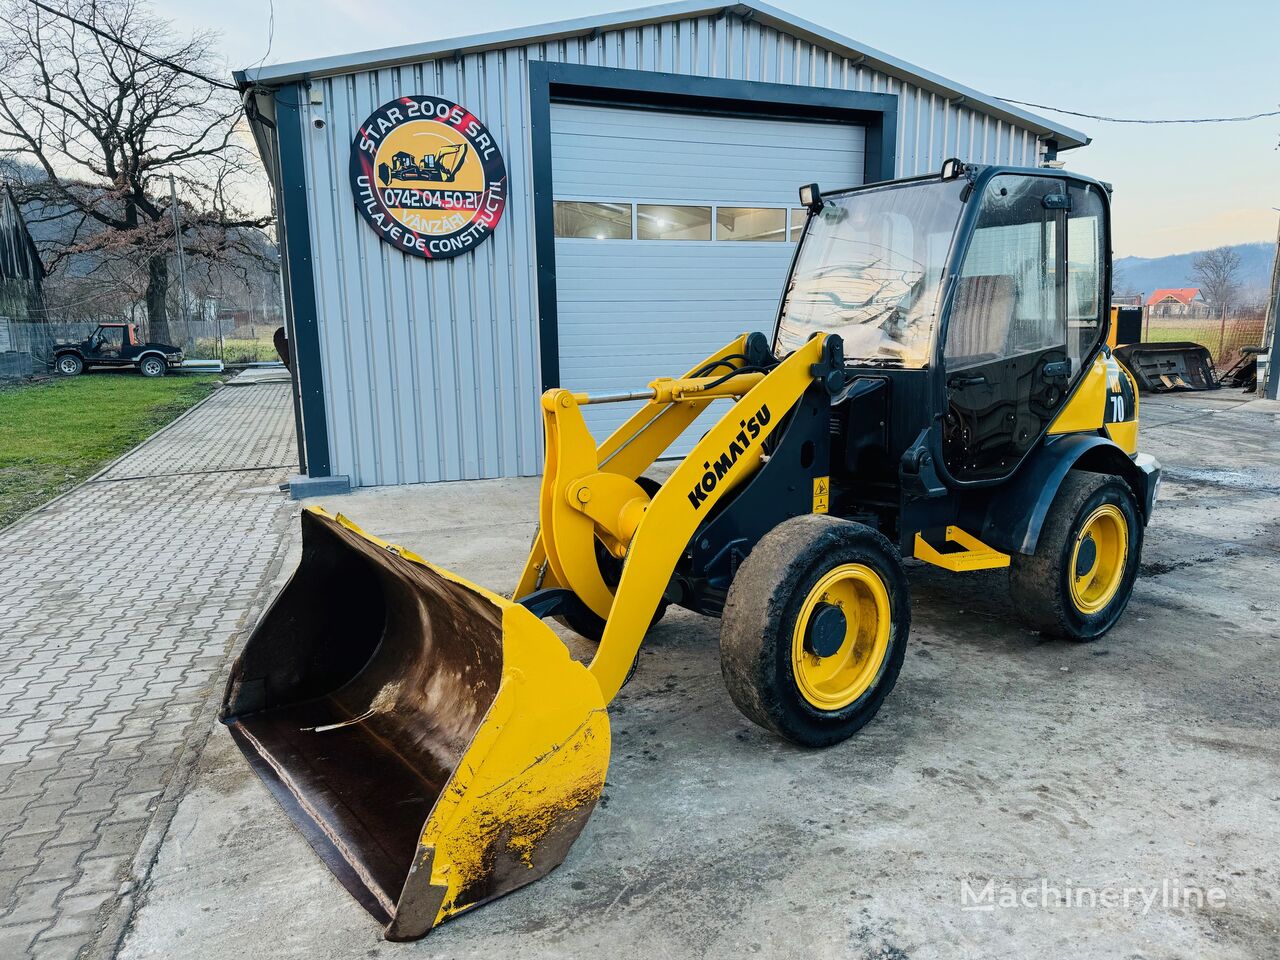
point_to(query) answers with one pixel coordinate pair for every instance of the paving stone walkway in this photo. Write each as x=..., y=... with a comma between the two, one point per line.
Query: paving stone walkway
x=118, y=606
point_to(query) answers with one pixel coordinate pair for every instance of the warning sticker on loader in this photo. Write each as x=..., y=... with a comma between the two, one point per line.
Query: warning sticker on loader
x=821, y=494
x=428, y=177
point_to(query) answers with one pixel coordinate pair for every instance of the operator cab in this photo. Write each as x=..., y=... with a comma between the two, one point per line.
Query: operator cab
x=113, y=342
x=970, y=304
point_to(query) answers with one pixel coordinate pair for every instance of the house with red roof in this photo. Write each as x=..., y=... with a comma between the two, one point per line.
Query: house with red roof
x=1186, y=303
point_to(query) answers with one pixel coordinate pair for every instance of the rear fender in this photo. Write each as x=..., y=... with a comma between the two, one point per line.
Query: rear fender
x=1017, y=510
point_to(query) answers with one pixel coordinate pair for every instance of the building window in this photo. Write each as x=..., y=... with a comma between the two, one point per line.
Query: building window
x=593, y=221
x=624, y=220
x=798, y=217
x=751, y=223
x=669, y=222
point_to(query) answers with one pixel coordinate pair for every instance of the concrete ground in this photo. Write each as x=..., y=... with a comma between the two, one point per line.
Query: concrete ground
x=1146, y=761
x=118, y=605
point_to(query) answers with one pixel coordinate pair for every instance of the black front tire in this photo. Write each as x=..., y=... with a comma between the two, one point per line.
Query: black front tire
x=69, y=365
x=765, y=602
x=152, y=367
x=1041, y=583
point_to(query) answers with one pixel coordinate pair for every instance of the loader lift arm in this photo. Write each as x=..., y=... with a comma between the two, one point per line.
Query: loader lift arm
x=589, y=492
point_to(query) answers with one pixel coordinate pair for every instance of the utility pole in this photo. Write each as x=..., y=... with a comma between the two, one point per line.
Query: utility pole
x=1273, y=363
x=182, y=258
x=1222, y=336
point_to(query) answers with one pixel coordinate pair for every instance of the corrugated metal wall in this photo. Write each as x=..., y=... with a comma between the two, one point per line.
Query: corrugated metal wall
x=431, y=369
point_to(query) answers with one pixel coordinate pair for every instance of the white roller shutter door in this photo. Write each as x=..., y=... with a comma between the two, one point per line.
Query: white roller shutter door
x=632, y=309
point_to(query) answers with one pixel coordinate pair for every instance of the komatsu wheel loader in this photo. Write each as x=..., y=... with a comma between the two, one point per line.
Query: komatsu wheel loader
x=937, y=387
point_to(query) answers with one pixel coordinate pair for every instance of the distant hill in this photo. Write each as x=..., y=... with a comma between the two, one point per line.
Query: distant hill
x=1146, y=274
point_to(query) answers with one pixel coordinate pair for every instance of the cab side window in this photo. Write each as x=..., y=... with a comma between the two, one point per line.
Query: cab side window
x=1006, y=302
x=111, y=340
x=1025, y=316
x=1086, y=271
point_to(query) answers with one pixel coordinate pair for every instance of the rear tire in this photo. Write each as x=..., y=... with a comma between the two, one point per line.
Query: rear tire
x=152, y=367
x=1078, y=582
x=815, y=628
x=69, y=365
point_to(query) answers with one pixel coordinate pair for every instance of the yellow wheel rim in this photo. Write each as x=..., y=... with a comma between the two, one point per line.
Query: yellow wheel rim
x=1098, y=558
x=835, y=681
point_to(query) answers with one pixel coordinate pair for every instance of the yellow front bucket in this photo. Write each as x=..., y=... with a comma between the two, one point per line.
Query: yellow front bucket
x=434, y=741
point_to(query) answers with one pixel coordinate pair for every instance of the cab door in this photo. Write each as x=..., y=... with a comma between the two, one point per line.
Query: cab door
x=132, y=346
x=105, y=345
x=1022, y=319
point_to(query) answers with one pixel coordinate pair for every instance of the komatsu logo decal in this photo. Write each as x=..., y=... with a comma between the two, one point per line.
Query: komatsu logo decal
x=716, y=471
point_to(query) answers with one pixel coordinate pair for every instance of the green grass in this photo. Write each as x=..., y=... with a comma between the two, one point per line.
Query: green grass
x=236, y=350
x=55, y=433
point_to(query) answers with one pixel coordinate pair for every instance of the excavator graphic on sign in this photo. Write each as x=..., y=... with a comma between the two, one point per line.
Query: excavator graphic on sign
x=441, y=168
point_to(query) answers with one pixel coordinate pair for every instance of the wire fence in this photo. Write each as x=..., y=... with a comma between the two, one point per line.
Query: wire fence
x=27, y=348
x=1224, y=336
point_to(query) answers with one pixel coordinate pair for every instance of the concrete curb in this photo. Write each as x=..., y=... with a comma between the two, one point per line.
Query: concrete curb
x=111, y=935
x=163, y=430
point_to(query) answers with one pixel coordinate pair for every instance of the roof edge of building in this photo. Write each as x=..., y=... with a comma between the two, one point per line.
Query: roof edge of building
x=282, y=73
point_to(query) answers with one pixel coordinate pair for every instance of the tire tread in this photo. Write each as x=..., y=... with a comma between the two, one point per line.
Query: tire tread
x=756, y=611
x=1035, y=582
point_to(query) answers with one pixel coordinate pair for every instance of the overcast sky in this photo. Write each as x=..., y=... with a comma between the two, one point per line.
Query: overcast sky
x=1177, y=188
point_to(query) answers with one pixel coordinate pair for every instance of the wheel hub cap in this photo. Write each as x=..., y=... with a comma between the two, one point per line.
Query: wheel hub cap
x=827, y=627
x=1086, y=556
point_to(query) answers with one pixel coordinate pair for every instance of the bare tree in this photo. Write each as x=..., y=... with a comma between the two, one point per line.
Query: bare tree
x=109, y=104
x=1217, y=273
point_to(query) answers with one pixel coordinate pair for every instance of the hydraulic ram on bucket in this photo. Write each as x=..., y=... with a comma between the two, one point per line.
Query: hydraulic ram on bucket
x=434, y=741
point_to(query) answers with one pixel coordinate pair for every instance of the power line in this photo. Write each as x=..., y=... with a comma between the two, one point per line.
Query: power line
x=1094, y=116
x=271, y=33
x=138, y=50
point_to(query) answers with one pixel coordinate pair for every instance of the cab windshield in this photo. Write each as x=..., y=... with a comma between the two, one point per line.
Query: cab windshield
x=870, y=269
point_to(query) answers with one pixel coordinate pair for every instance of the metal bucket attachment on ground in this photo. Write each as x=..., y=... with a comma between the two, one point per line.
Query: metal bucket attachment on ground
x=1162, y=367
x=434, y=742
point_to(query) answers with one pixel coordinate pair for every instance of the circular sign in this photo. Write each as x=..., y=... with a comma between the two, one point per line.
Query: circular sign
x=428, y=177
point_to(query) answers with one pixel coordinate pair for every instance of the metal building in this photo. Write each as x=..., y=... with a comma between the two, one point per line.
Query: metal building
x=621, y=191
